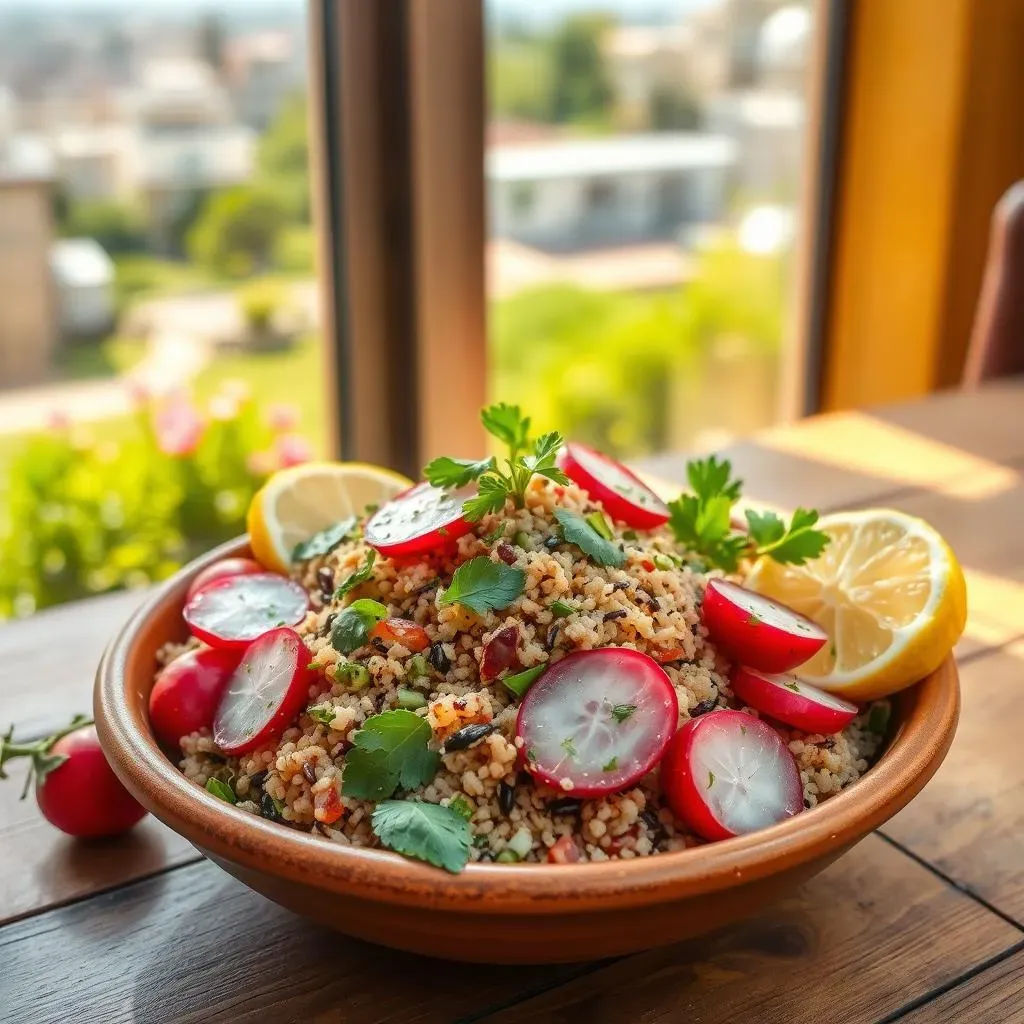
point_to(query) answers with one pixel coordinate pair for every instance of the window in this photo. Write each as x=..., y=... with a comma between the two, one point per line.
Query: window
x=672, y=134
x=159, y=340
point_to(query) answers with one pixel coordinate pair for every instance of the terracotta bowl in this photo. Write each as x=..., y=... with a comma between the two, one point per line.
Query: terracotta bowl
x=497, y=912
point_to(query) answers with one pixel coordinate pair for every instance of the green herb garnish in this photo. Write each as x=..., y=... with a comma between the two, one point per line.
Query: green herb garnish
x=482, y=585
x=389, y=751
x=576, y=530
x=522, y=681
x=600, y=524
x=569, y=746
x=417, y=667
x=878, y=718
x=501, y=479
x=461, y=806
x=352, y=627
x=354, y=675
x=221, y=790
x=752, y=619
x=611, y=765
x=324, y=542
x=560, y=609
x=322, y=713
x=429, y=832
x=702, y=522
x=711, y=779
x=361, y=575
x=620, y=712
x=792, y=686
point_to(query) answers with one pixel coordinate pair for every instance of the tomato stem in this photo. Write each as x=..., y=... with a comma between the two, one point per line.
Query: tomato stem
x=39, y=751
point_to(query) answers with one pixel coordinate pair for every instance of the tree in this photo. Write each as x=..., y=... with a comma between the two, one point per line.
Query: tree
x=581, y=89
x=117, y=227
x=237, y=231
x=283, y=157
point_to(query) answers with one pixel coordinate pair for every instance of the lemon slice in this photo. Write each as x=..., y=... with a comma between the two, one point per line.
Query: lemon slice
x=298, y=502
x=889, y=592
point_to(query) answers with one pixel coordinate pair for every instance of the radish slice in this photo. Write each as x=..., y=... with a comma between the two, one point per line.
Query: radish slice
x=624, y=495
x=597, y=721
x=728, y=773
x=756, y=631
x=418, y=520
x=222, y=570
x=790, y=700
x=233, y=612
x=265, y=693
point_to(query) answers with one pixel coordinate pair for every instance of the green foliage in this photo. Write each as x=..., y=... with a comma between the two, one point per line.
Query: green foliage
x=119, y=228
x=519, y=79
x=581, y=90
x=283, y=158
x=80, y=516
x=260, y=301
x=674, y=110
x=237, y=231
x=295, y=250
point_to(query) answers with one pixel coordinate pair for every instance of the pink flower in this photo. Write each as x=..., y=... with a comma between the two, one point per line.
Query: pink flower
x=282, y=417
x=292, y=449
x=178, y=427
x=139, y=395
x=58, y=422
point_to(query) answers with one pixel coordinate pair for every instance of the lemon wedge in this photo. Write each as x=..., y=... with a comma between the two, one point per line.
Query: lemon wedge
x=296, y=503
x=889, y=592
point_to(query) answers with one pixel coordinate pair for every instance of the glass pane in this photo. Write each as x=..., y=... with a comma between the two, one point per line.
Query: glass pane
x=643, y=168
x=158, y=322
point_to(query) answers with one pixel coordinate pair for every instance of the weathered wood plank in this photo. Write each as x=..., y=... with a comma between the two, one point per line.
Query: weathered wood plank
x=868, y=935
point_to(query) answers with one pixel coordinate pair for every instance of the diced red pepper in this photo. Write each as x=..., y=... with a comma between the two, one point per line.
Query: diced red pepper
x=648, y=565
x=663, y=655
x=402, y=631
x=500, y=652
x=327, y=806
x=565, y=851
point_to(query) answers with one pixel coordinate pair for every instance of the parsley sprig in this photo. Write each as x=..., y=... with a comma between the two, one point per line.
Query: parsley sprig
x=702, y=522
x=501, y=479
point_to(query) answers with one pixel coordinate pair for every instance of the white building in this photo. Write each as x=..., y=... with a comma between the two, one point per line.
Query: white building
x=575, y=193
x=83, y=276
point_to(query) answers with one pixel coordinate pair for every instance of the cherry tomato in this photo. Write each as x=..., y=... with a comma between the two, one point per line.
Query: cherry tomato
x=186, y=693
x=222, y=570
x=728, y=773
x=756, y=631
x=624, y=495
x=83, y=797
x=598, y=719
x=565, y=851
x=421, y=519
x=402, y=631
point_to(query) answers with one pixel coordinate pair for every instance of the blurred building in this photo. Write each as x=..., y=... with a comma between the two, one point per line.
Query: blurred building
x=83, y=276
x=28, y=319
x=572, y=194
x=261, y=70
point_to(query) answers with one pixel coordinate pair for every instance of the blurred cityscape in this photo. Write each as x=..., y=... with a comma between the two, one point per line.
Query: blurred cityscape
x=643, y=167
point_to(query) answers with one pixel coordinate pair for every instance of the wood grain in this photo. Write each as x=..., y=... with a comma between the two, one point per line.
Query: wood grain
x=195, y=945
x=995, y=996
x=969, y=820
x=868, y=935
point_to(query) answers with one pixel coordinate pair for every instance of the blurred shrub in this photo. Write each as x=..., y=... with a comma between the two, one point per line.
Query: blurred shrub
x=295, y=250
x=80, y=516
x=237, y=231
x=259, y=302
x=119, y=228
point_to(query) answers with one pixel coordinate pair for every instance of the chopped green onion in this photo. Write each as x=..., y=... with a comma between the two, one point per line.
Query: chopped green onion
x=354, y=675
x=522, y=540
x=522, y=681
x=417, y=667
x=521, y=843
x=598, y=521
x=629, y=535
x=322, y=713
x=561, y=608
x=508, y=856
x=461, y=806
x=663, y=562
x=410, y=700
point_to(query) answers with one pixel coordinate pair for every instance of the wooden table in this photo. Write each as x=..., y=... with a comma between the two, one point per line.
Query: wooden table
x=923, y=921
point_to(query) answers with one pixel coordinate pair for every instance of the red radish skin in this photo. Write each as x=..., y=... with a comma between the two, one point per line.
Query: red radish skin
x=728, y=773
x=793, y=702
x=421, y=519
x=185, y=696
x=83, y=797
x=597, y=721
x=234, y=612
x=756, y=631
x=625, y=497
x=265, y=694
x=225, y=569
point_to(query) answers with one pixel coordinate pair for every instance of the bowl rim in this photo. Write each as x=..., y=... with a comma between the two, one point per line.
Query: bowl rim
x=929, y=713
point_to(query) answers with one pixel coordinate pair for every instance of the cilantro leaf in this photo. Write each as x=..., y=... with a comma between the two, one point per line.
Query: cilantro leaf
x=322, y=713
x=429, y=832
x=545, y=452
x=389, y=751
x=352, y=627
x=703, y=526
x=220, y=789
x=797, y=543
x=620, y=712
x=449, y=472
x=709, y=477
x=482, y=585
x=507, y=424
x=361, y=575
x=490, y=497
x=522, y=681
x=324, y=542
x=576, y=530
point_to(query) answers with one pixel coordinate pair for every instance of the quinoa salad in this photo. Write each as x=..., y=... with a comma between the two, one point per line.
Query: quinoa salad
x=532, y=659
